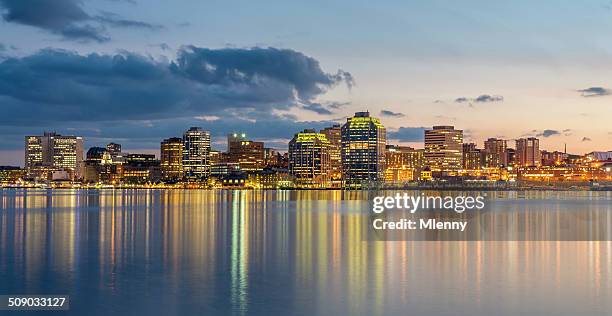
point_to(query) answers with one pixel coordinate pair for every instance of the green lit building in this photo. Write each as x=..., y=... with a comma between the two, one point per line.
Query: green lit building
x=310, y=160
x=363, y=151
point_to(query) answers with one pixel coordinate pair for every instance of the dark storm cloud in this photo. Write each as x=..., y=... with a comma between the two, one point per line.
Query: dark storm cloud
x=60, y=88
x=65, y=18
x=594, y=92
x=407, y=134
x=388, y=113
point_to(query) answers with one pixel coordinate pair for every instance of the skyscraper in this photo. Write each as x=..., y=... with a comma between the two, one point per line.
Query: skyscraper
x=196, y=150
x=172, y=159
x=334, y=135
x=309, y=159
x=496, y=153
x=444, y=149
x=528, y=152
x=363, y=150
x=53, y=152
x=248, y=154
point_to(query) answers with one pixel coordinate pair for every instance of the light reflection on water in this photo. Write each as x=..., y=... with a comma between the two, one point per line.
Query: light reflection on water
x=281, y=252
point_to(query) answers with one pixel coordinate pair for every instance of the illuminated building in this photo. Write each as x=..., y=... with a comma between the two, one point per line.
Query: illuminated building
x=141, y=168
x=53, y=152
x=171, y=154
x=334, y=136
x=528, y=152
x=444, y=150
x=403, y=163
x=472, y=157
x=270, y=178
x=196, y=151
x=248, y=154
x=9, y=174
x=362, y=151
x=102, y=167
x=554, y=158
x=113, y=149
x=309, y=159
x=495, y=153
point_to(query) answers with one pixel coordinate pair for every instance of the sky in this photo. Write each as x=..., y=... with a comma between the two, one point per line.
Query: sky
x=136, y=72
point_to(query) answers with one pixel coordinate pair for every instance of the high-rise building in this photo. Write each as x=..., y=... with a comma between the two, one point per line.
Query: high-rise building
x=334, y=135
x=403, y=163
x=53, y=152
x=309, y=159
x=172, y=159
x=196, y=154
x=528, y=152
x=362, y=150
x=113, y=149
x=472, y=157
x=444, y=149
x=495, y=153
x=248, y=154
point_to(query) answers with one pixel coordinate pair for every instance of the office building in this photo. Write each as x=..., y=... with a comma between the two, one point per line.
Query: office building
x=196, y=154
x=309, y=159
x=248, y=154
x=403, y=163
x=363, y=140
x=50, y=153
x=444, y=150
x=334, y=136
x=171, y=159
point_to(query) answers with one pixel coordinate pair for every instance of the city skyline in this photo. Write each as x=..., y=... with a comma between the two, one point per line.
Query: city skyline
x=164, y=67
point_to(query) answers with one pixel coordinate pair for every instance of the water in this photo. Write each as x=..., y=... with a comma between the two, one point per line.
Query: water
x=284, y=253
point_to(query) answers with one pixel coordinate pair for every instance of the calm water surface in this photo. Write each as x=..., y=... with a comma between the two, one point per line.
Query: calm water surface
x=281, y=253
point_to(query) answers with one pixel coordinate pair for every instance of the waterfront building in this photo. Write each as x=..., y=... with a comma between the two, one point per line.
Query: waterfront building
x=363, y=141
x=554, y=158
x=53, y=152
x=495, y=153
x=10, y=174
x=528, y=152
x=309, y=159
x=472, y=157
x=334, y=136
x=444, y=150
x=247, y=153
x=403, y=163
x=196, y=154
x=141, y=169
x=171, y=154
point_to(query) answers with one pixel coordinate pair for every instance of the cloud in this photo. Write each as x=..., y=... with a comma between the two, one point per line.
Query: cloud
x=56, y=88
x=65, y=18
x=548, y=133
x=586, y=139
x=323, y=108
x=594, y=92
x=489, y=98
x=388, y=113
x=483, y=98
x=407, y=134
x=114, y=20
